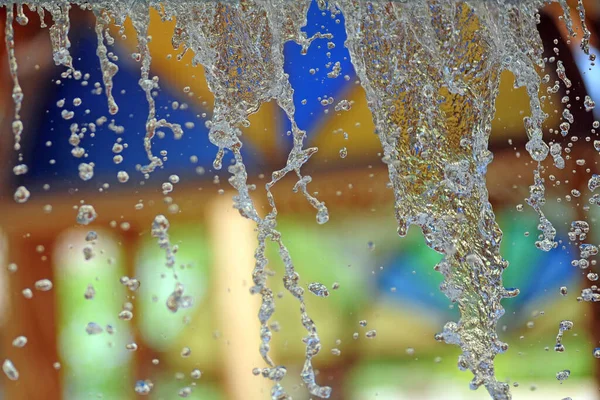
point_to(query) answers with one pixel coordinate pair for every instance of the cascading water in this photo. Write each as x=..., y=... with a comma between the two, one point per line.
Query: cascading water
x=430, y=70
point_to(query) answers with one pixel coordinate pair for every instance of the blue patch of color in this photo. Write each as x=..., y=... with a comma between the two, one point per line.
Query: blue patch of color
x=133, y=111
x=310, y=87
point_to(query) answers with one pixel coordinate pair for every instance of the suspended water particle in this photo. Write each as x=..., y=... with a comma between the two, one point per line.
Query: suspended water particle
x=27, y=293
x=318, y=289
x=596, y=352
x=67, y=115
x=589, y=104
x=20, y=169
x=174, y=179
x=343, y=152
x=88, y=252
x=12, y=267
x=322, y=215
x=86, y=214
x=43, y=285
x=131, y=346
x=186, y=352
x=143, y=387
x=594, y=182
x=91, y=236
x=56, y=365
x=197, y=374
x=90, y=292
x=371, y=334
x=133, y=284
x=20, y=341
x=185, y=392
x=21, y=195
x=177, y=300
x=125, y=315
x=564, y=128
x=336, y=352
x=93, y=328
x=10, y=370
x=122, y=176
x=86, y=171
x=563, y=290
x=563, y=375
x=335, y=286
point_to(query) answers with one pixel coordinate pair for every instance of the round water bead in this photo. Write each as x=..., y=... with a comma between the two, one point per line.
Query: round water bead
x=20, y=341
x=22, y=195
x=10, y=370
x=563, y=375
x=43, y=285
x=86, y=214
x=143, y=387
x=86, y=171
x=93, y=328
x=371, y=334
x=196, y=373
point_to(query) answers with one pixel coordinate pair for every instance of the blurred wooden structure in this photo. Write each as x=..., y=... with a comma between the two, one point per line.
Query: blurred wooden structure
x=28, y=226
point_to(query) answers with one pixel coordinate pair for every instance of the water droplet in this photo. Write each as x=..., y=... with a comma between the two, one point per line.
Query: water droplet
x=563, y=375
x=86, y=214
x=43, y=285
x=19, y=341
x=196, y=374
x=143, y=387
x=10, y=370
x=93, y=328
x=318, y=289
x=21, y=195
x=86, y=171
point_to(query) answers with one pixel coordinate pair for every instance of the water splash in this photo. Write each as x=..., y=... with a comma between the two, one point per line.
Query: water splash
x=430, y=69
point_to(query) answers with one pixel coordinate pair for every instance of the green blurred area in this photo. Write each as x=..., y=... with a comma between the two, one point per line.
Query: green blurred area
x=352, y=252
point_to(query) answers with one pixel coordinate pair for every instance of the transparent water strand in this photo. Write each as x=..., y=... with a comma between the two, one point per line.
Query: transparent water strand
x=108, y=68
x=437, y=165
x=59, y=38
x=259, y=78
x=140, y=17
x=17, y=92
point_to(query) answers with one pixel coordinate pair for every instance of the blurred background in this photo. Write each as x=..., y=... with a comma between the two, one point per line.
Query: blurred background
x=383, y=279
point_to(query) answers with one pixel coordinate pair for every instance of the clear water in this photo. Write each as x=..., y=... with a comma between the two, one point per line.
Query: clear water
x=430, y=70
